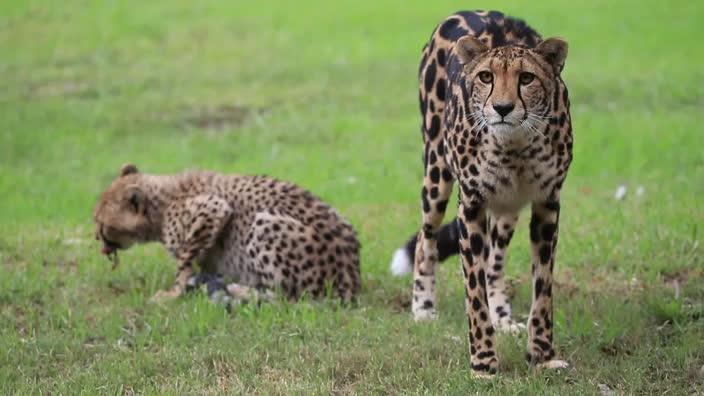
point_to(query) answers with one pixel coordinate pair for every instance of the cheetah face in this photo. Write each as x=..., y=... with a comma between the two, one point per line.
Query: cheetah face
x=511, y=89
x=120, y=214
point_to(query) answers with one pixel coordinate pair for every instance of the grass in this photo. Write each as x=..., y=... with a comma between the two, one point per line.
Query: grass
x=324, y=94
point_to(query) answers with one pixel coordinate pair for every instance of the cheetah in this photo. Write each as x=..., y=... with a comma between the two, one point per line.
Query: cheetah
x=495, y=118
x=259, y=232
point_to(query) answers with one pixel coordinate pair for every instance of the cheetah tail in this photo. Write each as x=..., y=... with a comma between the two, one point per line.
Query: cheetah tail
x=448, y=245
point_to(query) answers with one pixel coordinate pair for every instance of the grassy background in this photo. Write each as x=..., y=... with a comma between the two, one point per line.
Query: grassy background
x=324, y=94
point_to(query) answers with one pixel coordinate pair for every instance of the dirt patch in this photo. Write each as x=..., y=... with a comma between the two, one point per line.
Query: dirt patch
x=220, y=118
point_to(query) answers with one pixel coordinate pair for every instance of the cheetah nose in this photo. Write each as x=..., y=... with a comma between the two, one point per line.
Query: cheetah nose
x=503, y=108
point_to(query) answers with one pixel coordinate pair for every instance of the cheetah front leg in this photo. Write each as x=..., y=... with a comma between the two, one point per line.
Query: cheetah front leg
x=184, y=272
x=191, y=227
x=543, y=236
x=501, y=227
x=474, y=251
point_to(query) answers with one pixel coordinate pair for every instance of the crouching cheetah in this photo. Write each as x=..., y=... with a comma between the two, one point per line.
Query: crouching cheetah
x=262, y=233
x=495, y=118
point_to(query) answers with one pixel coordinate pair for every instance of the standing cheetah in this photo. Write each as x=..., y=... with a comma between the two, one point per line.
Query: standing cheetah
x=260, y=232
x=496, y=119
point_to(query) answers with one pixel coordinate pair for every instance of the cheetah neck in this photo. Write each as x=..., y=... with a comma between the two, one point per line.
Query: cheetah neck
x=162, y=190
x=516, y=143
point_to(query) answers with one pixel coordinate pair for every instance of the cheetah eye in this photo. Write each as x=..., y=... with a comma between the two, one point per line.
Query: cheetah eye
x=486, y=77
x=526, y=78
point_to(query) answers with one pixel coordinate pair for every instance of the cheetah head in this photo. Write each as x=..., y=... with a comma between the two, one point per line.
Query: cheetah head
x=511, y=89
x=121, y=213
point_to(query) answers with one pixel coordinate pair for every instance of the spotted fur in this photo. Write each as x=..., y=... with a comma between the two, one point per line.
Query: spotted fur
x=496, y=120
x=259, y=232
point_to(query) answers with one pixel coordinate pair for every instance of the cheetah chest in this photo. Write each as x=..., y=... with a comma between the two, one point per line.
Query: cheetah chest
x=510, y=179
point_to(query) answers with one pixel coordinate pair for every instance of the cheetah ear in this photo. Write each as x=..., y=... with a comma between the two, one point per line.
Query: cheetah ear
x=554, y=51
x=128, y=169
x=135, y=198
x=468, y=47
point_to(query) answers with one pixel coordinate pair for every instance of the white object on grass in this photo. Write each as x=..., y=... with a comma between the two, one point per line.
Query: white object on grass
x=620, y=192
x=401, y=262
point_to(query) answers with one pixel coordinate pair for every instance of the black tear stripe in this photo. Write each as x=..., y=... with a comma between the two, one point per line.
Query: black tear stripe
x=545, y=97
x=492, y=87
x=471, y=88
x=465, y=95
x=469, y=111
x=520, y=97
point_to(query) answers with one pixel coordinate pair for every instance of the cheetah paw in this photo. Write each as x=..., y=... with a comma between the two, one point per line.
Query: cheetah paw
x=510, y=327
x=424, y=315
x=553, y=365
x=165, y=295
x=483, y=375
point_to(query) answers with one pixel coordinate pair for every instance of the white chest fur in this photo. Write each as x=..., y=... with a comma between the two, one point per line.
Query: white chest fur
x=510, y=178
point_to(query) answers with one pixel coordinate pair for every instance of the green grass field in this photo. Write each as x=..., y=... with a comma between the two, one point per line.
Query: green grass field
x=324, y=94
